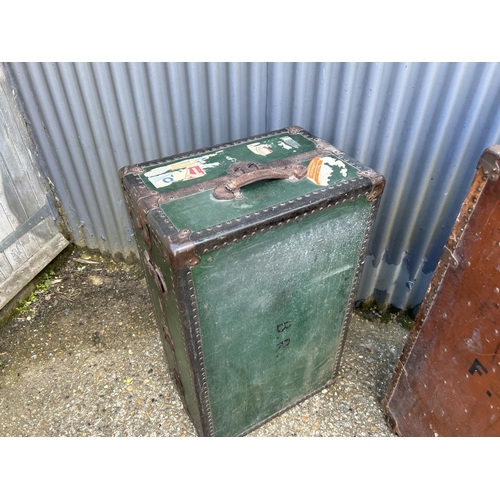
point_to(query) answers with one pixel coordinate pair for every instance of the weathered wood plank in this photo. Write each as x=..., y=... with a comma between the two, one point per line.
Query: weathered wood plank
x=15, y=253
x=15, y=146
x=25, y=273
x=22, y=195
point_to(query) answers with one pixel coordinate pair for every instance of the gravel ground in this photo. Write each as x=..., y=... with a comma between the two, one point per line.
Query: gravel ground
x=84, y=358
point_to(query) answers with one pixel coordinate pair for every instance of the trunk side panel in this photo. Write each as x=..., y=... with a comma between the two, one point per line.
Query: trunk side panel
x=167, y=318
x=271, y=310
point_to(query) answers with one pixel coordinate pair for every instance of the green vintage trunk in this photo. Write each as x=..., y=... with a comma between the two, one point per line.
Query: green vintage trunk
x=252, y=277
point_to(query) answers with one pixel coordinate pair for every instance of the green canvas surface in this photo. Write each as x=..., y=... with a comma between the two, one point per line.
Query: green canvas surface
x=201, y=210
x=215, y=163
x=271, y=309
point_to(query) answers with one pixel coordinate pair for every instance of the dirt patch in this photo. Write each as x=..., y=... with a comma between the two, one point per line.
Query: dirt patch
x=70, y=357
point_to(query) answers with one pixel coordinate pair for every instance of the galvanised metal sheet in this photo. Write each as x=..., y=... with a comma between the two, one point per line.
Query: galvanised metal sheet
x=422, y=125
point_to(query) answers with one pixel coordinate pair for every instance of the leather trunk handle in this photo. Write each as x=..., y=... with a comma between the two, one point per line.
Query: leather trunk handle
x=231, y=188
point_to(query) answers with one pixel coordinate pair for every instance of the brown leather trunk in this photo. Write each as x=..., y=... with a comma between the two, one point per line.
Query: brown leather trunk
x=447, y=381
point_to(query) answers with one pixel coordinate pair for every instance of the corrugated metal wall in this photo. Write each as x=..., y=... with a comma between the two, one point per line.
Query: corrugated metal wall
x=423, y=125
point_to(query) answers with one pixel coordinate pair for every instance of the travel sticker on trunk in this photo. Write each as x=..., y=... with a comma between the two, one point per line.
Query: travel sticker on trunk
x=284, y=142
x=319, y=169
x=181, y=171
x=259, y=149
x=288, y=143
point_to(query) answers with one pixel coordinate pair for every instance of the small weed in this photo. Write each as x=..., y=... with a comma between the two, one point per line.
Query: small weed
x=371, y=311
x=406, y=322
x=42, y=288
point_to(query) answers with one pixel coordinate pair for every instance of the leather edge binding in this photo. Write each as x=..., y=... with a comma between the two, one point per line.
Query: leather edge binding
x=378, y=183
x=181, y=249
x=130, y=169
x=489, y=163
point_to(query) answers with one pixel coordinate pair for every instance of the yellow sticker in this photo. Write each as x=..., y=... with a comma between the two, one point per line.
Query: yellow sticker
x=320, y=170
